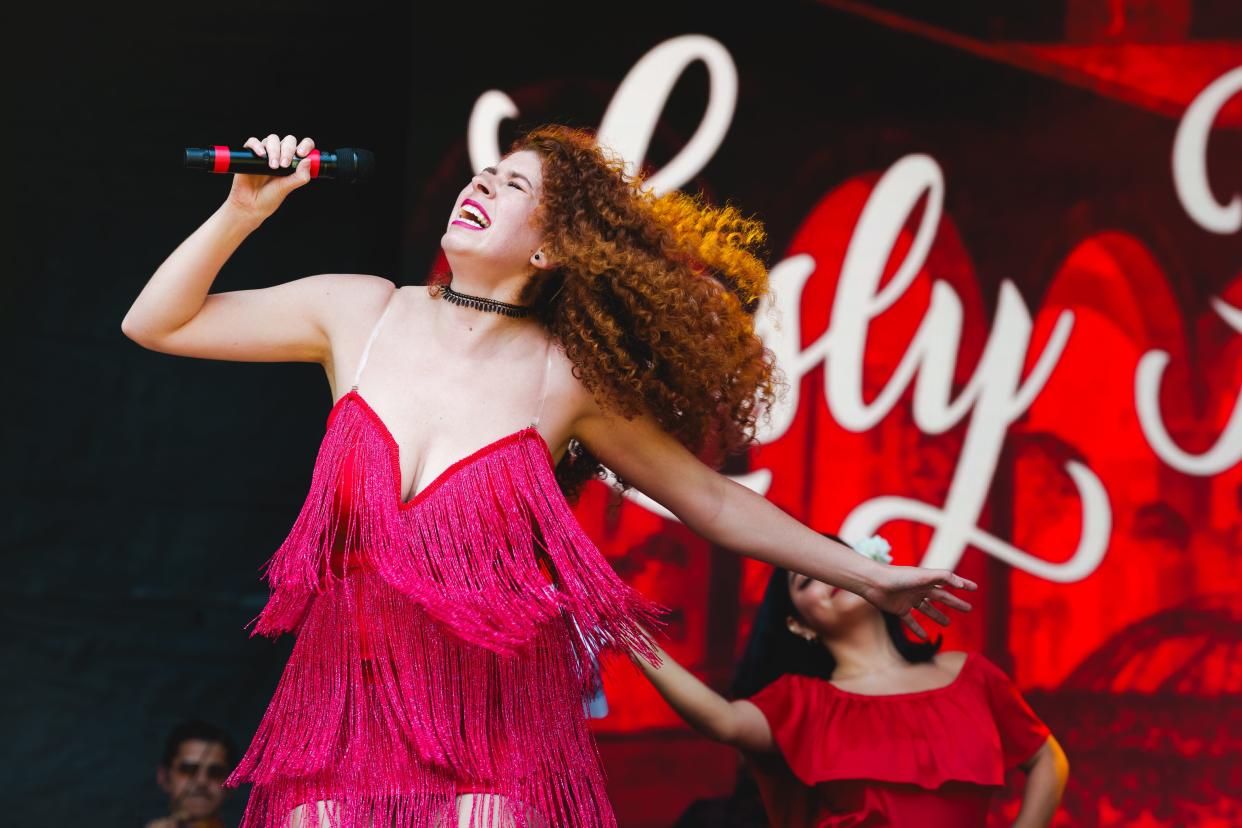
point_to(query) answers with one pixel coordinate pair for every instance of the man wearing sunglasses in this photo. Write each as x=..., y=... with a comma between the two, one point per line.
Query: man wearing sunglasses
x=197, y=759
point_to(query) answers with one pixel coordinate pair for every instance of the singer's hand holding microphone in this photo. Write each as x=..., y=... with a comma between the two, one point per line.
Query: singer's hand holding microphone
x=267, y=170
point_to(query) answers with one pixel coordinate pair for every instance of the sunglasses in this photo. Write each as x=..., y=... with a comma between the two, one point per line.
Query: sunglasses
x=216, y=772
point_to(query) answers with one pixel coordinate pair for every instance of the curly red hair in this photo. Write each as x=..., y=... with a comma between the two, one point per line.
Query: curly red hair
x=652, y=299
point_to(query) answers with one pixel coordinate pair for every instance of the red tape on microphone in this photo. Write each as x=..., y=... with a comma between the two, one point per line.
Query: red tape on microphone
x=220, y=159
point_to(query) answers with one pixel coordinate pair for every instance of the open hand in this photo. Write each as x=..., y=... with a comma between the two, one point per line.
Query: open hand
x=903, y=589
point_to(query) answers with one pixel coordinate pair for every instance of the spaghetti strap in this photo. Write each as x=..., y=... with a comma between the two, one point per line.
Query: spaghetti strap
x=543, y=389
x=366, y=350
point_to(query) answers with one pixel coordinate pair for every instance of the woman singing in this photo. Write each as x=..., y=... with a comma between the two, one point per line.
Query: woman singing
x=845, y=721
x=447, y=604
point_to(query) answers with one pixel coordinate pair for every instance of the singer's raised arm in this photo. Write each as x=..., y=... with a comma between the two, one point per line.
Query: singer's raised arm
x=293, y=322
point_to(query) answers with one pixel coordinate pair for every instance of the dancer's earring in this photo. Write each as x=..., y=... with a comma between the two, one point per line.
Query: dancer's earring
x=799, y=630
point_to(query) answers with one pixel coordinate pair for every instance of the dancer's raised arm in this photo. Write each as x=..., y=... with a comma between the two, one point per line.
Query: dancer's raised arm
x=291, y=322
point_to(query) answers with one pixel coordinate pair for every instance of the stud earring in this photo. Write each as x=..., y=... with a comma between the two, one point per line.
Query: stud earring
x=808, y=636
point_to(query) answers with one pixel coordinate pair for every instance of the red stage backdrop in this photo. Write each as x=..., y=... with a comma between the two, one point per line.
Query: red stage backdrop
x=1007, y=301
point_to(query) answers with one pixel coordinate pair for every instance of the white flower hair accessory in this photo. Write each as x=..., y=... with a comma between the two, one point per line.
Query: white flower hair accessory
x=875, y=548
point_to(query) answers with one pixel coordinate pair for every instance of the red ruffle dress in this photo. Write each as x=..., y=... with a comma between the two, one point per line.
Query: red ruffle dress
x=928, y=759
x=445, y=644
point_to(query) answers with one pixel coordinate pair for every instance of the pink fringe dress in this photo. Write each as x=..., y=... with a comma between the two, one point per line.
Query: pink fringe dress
x=445, y=645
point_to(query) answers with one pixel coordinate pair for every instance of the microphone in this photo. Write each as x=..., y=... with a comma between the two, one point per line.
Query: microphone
x=345, y=164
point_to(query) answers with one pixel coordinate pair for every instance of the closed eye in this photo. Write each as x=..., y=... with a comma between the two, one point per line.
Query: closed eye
x=515, y=186
x=803, y=583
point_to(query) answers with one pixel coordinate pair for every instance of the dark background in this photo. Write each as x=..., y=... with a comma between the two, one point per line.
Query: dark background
x=144, y=491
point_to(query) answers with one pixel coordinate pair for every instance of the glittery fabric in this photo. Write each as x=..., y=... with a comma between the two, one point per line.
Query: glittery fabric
x=444, y=645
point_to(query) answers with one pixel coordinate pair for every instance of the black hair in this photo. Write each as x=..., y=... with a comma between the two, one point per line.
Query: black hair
x=203, y=731
x=773, y=651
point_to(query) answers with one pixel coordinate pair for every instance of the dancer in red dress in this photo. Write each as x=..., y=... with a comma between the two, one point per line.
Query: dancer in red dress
x=845, y=721
x=447, y=605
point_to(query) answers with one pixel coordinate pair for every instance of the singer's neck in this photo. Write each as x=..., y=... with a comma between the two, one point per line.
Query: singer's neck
x=481, y=331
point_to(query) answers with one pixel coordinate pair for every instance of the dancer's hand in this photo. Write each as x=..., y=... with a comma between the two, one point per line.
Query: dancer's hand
x=258, y=196
x=903, y=589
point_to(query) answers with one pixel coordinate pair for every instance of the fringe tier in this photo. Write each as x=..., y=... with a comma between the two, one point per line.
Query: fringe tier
x=445, y=645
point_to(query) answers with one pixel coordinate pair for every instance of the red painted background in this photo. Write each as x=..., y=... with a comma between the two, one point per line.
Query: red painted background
x=1054, y=131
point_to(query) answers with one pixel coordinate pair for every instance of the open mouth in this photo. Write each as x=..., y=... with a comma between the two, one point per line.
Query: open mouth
x=473, y=216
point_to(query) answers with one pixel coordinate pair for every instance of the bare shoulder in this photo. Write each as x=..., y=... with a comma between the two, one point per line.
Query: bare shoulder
x=564, y=383
x=346, y=306
x=347, y=301
x=951, y=661
x=353, y=281
x=349, y=292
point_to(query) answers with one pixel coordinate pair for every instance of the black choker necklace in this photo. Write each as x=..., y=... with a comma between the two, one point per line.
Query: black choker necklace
x=445, y=290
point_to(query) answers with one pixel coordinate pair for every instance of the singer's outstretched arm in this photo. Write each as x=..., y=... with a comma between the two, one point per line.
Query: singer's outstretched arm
x=291, y=322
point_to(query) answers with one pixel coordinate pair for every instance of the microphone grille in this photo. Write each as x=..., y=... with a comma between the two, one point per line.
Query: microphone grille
x=354, y=164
